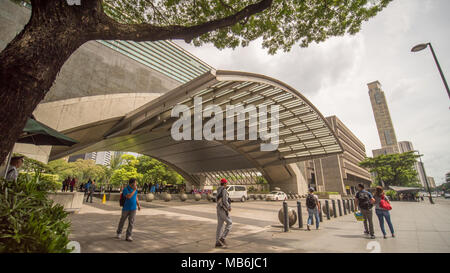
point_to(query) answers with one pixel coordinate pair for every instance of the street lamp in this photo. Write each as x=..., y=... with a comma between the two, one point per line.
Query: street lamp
x=426, y=178
x=422, y=47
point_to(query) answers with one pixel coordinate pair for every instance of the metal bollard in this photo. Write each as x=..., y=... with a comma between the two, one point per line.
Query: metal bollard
x=344, y=205
x=340, y=207
x=299, y=212
x=333, y=202
x=320, y=212
x=327, y=206
x=348, y=206
x=286, y=216
x=352, y=202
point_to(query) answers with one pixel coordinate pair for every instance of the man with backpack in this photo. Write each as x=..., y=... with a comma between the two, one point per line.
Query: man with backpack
x=364, y=200
x=313, y=206
x=223, y=210
x=129, y=201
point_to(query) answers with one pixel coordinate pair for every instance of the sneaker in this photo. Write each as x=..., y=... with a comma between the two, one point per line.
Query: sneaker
x=119, y=236
x=222, y=240
x=384, y=236
x=393, y=235
x=219, y=244
x=372, y=236
x=366, y=232
x=129, y=239
x=307, y=227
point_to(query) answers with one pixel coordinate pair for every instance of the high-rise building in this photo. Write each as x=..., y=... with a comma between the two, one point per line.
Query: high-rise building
x=407, y=146
x=431, y=182
x=102, y=158
x=383, y=120
x=338, y=173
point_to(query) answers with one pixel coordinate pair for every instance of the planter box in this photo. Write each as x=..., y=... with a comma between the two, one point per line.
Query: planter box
x=71, y=201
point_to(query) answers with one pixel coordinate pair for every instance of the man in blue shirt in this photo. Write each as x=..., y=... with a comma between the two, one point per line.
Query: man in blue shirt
x=129, y=209
x=364, y=200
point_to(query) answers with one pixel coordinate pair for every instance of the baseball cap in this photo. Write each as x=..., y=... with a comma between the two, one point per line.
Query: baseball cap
x=223, y=181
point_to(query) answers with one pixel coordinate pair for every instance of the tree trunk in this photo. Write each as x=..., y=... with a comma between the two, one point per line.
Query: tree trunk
x=29, y=66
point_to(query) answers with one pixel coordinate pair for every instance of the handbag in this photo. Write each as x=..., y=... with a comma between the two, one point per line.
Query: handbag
x=359, y=216
x=384, y=204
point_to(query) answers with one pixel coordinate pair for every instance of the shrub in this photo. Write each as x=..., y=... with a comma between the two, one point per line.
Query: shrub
x=29, y=221
x=44, y=181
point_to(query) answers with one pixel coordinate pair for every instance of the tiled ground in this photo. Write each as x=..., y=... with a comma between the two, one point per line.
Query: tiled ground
x=190, y=227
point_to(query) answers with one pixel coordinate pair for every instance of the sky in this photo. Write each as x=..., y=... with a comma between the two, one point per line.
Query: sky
x=334, y=74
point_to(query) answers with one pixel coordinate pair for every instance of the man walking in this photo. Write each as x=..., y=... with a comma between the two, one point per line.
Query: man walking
x=312, y=204
x=129, y=209
x=91, y=191
x=223, y=210
x=364, y=200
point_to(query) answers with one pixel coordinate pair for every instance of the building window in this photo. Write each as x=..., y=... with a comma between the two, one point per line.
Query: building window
x=378, y=99
x=387, y=137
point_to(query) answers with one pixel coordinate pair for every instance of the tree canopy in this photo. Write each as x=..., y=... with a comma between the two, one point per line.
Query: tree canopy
x=393, y=169
x=280, y=23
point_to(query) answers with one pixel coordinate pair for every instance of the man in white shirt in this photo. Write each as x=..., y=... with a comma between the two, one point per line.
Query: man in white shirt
x=13, y=173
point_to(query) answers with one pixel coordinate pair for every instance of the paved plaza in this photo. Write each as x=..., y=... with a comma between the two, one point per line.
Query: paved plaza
x=190, y=226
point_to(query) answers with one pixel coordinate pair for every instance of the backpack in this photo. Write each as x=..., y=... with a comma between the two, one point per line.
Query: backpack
x=311, y=202
x=122, y=199
x=364, y=200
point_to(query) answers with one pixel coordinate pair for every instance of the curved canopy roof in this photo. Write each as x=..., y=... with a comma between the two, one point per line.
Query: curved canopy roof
x=303, y=132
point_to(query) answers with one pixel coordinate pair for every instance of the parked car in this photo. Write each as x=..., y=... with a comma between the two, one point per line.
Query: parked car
x=447, y=195
x=236, y=193
x=276, y=196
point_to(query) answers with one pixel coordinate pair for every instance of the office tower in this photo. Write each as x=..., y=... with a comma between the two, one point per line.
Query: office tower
x=383, y=120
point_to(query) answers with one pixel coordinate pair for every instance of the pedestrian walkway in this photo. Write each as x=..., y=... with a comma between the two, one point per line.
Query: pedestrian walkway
x=190, y=227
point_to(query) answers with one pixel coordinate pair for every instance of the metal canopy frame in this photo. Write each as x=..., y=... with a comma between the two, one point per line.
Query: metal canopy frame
x=303, y=132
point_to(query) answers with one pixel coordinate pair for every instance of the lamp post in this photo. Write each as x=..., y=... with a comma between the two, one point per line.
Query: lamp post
x=422, y=47
x=426, y=178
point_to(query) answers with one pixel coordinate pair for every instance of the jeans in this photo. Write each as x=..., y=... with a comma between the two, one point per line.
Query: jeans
x=89, y=195
x=223, y=217
x=312, y=212
x=381, y=213
x=131, y=215
x=367, y=213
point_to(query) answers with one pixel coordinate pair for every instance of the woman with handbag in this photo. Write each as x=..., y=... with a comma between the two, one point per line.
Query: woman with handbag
x=382, y=208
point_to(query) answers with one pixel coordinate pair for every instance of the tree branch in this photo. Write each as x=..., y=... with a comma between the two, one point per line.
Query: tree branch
x=109, y=29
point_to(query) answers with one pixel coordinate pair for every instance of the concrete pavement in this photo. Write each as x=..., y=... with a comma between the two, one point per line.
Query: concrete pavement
x=190, y=227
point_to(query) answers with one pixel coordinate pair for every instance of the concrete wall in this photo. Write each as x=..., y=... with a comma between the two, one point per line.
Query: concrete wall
x=93, y=69
x=72, y=113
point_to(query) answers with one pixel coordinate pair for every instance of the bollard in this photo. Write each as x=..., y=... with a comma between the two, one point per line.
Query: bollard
x=286, y=216
x=333, y=202
x=340, y=207
x=351, y=204
x=327, y=206
x=320, y=212
x=299, y=212
x=348, y=206
x=344, y=205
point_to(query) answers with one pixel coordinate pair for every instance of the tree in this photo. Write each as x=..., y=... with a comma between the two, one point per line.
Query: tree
x=30, y=62
x=156, y=172
x=393, y=169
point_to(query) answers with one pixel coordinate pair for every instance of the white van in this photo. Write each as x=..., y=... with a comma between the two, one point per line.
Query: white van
x=236, y=193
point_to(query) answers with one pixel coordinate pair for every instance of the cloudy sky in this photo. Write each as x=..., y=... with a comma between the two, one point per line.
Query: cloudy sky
x=333, y=75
